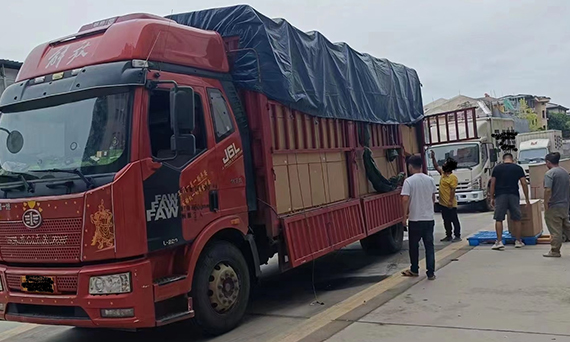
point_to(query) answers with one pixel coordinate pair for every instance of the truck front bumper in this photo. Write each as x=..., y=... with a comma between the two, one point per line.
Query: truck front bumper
x=468, y=197
x=79, y=308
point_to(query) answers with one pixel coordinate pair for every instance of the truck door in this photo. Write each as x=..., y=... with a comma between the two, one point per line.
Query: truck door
x=485, y=162
x=177, y=193
x=230, y=193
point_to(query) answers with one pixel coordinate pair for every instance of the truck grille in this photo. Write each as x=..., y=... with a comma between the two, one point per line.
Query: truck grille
x=64, y=284
x=46, y=311
x=55, y=241
x=462, y=186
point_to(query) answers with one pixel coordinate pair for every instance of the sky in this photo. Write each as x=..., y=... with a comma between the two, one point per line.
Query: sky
x=468, y=47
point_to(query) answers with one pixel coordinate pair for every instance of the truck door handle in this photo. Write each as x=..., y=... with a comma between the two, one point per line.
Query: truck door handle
x=214, y=203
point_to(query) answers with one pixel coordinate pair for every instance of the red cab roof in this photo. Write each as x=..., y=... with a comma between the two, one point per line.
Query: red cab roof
x=133, y=36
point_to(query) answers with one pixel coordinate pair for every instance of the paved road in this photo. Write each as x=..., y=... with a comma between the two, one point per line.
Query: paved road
x=514, y=295
x=281, y=300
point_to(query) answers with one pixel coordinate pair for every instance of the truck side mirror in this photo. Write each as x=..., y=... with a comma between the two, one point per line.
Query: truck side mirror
x=182, y=111
x=182, y=120
x=184, y=144
x=494, y=156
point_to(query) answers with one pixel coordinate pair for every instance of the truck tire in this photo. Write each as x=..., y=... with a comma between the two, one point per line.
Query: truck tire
x=221, y=287
x=486, y=204
x=387, y=241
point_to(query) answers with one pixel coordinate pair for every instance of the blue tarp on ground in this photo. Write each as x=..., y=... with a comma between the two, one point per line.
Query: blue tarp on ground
x=309, y=73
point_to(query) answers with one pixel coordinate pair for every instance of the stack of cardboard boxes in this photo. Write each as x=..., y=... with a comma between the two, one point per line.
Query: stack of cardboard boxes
x=531, y=222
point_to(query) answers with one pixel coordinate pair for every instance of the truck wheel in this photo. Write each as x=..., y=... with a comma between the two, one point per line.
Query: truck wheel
x=387, y=241
x=486, y=204
x=221, y=287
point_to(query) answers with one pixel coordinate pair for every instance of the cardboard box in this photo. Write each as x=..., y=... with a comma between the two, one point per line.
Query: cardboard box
x=337, y=181
x=300, y=186
x=536, y=176
x=282, y=189
x=409, y=139
x=531, y=222
x=307, y=180
x=318, y=183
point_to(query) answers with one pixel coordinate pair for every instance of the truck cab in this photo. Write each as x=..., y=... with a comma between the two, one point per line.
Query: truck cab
x=468, y=139
x=475, y=160
x=115, y=172
x=532, y=152
x=534, y=146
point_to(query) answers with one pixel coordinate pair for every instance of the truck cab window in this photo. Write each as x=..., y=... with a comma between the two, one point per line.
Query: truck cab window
x=160, y=130
x=223, y=125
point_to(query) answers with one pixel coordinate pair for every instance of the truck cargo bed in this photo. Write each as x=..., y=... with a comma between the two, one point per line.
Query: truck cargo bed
x=311, y=182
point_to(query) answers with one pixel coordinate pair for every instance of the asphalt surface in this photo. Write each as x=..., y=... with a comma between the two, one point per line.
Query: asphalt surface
x=280, y=301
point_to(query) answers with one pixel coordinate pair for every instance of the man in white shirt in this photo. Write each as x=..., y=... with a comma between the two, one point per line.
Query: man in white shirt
x=418, y=197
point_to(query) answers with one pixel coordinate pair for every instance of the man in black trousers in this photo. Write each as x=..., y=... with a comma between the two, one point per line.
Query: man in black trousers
x=418, y=197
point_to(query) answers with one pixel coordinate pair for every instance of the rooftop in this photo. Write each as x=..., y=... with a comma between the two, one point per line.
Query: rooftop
x=435, y=104
x=556, y=105
x=538, y=97
x=10, y=64
x=455, y=103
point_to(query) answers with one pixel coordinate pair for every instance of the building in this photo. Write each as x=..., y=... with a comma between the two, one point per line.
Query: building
x=553, y=108
x=8, y=72
x=486, y=106
x=537, y=103
x=433, y=105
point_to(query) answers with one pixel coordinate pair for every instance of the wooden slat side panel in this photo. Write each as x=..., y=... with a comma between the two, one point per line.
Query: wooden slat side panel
x=382, y=211
x=314, y=233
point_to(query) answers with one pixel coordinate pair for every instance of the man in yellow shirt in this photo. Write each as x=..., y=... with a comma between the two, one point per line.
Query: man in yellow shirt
x=447, y=199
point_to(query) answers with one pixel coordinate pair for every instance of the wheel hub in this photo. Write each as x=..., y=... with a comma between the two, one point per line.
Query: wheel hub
x=224, y=287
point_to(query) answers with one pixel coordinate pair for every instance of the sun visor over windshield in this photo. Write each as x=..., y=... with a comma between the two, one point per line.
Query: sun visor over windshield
x=102, y=75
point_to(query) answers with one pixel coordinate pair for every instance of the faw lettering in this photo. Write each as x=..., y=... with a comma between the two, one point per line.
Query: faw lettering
x=231, y=152
x=163, y=207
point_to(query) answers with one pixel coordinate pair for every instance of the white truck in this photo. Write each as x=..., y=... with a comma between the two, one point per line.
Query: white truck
x=534, y=146
x=473, y=149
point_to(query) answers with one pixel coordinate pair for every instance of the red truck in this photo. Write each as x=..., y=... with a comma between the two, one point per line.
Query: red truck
x=145, y=178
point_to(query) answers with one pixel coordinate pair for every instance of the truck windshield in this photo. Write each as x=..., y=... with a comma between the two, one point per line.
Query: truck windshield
x=87, y=134
x=534, y=155
x=466, y=155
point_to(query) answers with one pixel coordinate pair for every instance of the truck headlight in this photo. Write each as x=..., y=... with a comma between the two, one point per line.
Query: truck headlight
x=476, y=184
x=1, y=288
x=110, y=284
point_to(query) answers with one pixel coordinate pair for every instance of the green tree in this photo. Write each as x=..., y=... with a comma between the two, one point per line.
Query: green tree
x=560, y=121
x=526, y=113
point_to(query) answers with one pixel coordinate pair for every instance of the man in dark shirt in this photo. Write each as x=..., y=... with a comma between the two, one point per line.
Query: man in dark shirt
x=505, y=197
